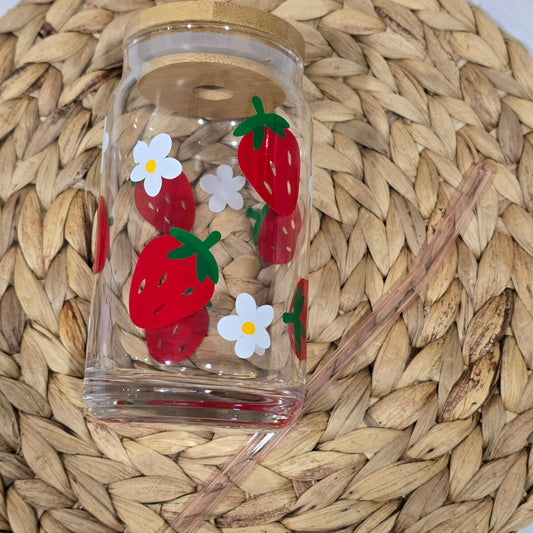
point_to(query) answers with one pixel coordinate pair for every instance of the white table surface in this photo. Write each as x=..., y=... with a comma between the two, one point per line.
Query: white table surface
x=514, y=16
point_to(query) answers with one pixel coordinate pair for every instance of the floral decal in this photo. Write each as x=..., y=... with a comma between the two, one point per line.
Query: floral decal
x=247, y=327
x=153, y=164
x=105, y=144
x=224, y=188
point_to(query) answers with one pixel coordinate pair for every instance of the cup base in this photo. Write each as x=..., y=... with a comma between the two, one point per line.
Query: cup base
x=162, y=401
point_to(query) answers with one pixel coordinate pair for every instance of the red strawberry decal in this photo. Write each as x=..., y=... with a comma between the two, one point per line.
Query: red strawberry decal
x=102, y=237
x=276, y=236
x=174, y=277
x=178, y=341
x=296, y=320
x=172, y=207
x=269, y=157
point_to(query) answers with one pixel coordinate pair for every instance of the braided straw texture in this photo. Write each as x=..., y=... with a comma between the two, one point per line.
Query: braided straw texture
x=434, y=434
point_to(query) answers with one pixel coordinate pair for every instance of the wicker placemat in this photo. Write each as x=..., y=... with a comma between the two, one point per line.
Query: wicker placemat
x=434, y=434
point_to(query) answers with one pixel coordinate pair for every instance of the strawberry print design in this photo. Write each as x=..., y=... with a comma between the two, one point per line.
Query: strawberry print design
x=269, y=157
x=173, y=206
x=178, y=341
x=296, y=320
x=174, y=277
x=276, y=236
x=102, y=237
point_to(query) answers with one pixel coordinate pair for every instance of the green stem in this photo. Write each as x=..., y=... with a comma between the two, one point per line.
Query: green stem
x=212, y=239
x=258, y=105
x=289, y=318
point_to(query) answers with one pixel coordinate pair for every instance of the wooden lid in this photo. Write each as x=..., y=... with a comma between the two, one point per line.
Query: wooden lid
x=221, y=12
x=209, y=85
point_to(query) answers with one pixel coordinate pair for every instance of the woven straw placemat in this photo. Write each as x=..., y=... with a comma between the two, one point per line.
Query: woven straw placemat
x=434, y=434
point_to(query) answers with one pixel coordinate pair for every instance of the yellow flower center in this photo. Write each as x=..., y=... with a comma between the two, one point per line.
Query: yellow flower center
x=248, y=328
x=150, y=166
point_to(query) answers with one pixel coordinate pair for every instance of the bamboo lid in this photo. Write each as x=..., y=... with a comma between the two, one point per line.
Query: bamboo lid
x=221, y=12
x=210, y=85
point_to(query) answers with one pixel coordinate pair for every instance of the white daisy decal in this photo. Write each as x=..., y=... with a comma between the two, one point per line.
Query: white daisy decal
x=247, y=327
x=153, y=163
x=105, y=144
x=224, y=188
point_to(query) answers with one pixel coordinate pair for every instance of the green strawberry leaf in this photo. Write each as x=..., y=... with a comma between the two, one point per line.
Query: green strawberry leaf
x=206, y=265
x=298, y=302
x=257, y=124
x=180, y=253
x=258, y=137
x=258, y=217
x=298, y=334
x=248, y=125
x=277, y=124
x=201, y=269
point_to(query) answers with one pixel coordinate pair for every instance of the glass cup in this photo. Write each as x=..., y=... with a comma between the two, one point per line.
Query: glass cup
x=199, y=307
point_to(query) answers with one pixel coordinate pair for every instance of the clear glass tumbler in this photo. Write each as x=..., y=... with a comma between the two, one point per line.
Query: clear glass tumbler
x=199, y=308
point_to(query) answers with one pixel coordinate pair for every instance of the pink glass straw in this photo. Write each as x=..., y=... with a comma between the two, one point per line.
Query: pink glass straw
x=350, y=355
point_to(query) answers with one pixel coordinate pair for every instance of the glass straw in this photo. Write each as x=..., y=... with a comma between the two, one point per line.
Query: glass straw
x=350, y=356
